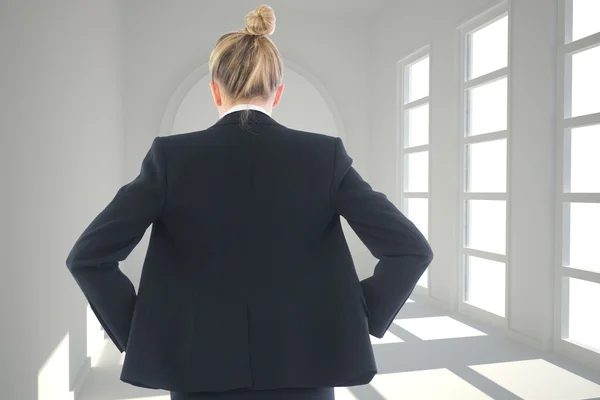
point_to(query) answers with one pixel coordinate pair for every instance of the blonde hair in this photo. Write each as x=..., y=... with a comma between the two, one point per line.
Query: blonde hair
x=246, y=63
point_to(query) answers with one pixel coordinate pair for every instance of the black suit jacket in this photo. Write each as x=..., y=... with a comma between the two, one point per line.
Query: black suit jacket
x=248, y=281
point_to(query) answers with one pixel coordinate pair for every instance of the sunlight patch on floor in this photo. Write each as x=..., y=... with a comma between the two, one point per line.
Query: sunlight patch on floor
x=539, y=379
x=435, y=384
x=389, y=337
x=434, y=328
x=342, y=393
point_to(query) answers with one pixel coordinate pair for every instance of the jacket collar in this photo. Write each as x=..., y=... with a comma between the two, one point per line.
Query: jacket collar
x=255, y=117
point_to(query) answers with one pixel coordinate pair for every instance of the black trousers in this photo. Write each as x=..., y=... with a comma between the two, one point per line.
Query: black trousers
x=277, y=394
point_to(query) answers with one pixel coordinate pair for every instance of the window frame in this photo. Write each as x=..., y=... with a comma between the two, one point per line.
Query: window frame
x=402, y=195
x=566, y=48
x=486, y=18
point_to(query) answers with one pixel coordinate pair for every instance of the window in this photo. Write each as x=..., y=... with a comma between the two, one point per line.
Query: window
x=584, y=21
x=578, y=197
x=414, y=111
x=484, y=88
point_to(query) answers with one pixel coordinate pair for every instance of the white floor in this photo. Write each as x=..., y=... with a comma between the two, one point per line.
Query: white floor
x=426, y=354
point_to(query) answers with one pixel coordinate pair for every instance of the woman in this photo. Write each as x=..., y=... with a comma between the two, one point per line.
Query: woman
x=248, y=289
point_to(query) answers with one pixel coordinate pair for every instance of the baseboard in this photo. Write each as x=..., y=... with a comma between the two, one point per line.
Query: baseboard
x=82, y=374
x=509, y=333
x=526, y=340
x=582, y=355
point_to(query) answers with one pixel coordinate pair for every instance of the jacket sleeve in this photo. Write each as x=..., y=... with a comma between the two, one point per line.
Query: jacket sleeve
x=110, y=238
x=403, y=252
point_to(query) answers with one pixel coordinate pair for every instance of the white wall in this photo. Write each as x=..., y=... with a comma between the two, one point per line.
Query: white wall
x=533, y=169
x=404, y=26
x=61, y=161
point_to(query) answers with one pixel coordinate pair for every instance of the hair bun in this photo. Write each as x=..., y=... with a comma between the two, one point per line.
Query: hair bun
x=261, y=21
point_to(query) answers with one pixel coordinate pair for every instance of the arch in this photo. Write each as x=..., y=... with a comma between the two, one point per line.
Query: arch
x=180, y=93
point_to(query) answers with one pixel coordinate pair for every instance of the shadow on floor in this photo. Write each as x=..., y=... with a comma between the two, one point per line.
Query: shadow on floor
x=426, y=354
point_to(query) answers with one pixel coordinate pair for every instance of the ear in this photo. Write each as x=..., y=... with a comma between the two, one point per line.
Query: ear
x=278, y=94
x=216, y=93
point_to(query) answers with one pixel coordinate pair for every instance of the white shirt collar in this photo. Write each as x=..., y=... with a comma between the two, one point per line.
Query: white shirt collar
x=243, y=107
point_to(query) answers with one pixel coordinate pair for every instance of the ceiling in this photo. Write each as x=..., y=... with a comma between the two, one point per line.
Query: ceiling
x=335, y=7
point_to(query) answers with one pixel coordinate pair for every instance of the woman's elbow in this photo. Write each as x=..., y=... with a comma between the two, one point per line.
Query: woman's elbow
x=427, y=253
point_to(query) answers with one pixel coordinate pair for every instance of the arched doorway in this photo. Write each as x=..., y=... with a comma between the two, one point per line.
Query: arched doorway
x=305, y=105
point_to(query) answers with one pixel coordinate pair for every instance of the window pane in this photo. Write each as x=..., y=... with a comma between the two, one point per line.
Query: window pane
x=486, y=166
x=486, y=225
x=485, y=282
x=417, y=126
x=417, y=165
x=584, y=236
x=423, y=281
x=584, y=319
x=488, y=49
x=418, y=80
x=586, y=18
x=585, y=163
x=417, y=211
x=585, y=82
x=487, y=108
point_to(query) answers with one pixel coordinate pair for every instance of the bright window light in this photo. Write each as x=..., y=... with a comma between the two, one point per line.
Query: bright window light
x=488, y=49
x=418, y=80
x=585, y=163
x=584, y=234
x=417, y=212
x=538, y=379
x=428, y=384
x=584, y=320
x=486, y=166
x=586, y=18
x=578, y=297
x=485, y=284
x=418, y=172
x=435, y=328
x=484, y=110
x=486, y=225
x=487, y=108
x=585, y=82
x=424, y=279
x=417, y=124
